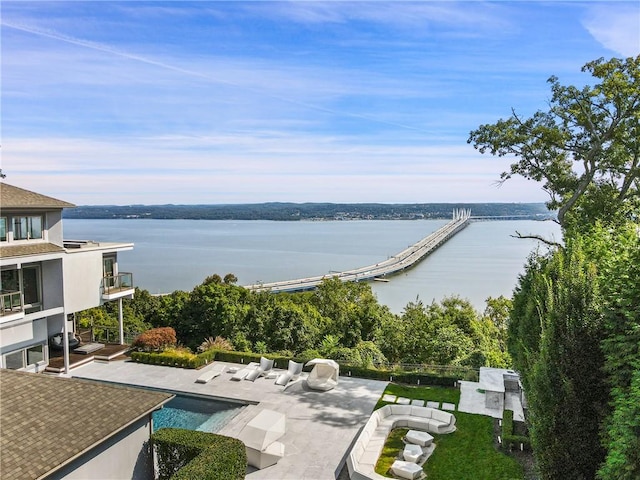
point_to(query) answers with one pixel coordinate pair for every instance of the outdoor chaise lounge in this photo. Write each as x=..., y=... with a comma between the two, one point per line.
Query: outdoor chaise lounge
x=211, y=373
x=265, y=366
x=408, y=470
x=324, y=375
x=292, y=373
x=241, y=374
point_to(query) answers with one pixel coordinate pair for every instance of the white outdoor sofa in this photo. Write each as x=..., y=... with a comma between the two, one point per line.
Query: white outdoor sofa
x=363, y=456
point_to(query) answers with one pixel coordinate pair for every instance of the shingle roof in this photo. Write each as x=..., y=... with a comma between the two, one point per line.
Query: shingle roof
x=28, y=249
x=15, y=197
x=45, y=421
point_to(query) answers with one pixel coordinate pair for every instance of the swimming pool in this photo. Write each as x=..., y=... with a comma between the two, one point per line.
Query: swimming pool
x=195, y=413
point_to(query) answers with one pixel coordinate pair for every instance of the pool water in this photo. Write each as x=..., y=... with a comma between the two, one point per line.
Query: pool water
x=195, y=413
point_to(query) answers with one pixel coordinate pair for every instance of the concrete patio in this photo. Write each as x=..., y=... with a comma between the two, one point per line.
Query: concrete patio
x=320, y=426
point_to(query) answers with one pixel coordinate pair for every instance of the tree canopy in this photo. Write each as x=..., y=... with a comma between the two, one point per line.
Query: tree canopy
x=574, y=329
x=585, y=149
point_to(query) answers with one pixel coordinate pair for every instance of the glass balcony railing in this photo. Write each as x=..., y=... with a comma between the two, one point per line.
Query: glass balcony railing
x=10, y=302
x=117, y=283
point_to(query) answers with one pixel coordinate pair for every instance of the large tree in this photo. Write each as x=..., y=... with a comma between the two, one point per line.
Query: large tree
x=585, y=149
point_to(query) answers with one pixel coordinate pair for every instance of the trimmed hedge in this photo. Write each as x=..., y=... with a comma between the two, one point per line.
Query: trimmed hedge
x=188, y=454
x=395, y=375
x=509, y=440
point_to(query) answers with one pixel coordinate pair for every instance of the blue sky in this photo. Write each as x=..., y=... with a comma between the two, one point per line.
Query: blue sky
x=306, y=101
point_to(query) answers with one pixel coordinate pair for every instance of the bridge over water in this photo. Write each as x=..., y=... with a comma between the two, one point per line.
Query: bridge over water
x=394, y=264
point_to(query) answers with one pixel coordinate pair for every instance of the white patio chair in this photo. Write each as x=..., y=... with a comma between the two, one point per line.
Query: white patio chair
x=292, y=373
x=265, y=366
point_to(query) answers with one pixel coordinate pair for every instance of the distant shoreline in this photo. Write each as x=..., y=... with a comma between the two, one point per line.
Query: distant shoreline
x=311, y=211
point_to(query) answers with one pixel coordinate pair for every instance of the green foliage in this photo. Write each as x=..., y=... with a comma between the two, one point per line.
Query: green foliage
x=187, y=454
x=623, y=434
x=218, y=343
x=343, y=321
x=584, y=149
x=509, y=440
x=260, y=347
x=562, y=369
x=155, y=339
x=351, y=310
x=621, y=344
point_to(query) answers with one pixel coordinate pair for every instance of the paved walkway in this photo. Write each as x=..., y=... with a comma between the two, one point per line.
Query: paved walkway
x=321, y=426
x=472, y=400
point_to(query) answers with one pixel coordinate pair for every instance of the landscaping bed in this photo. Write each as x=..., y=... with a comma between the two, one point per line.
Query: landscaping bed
x=469, y=452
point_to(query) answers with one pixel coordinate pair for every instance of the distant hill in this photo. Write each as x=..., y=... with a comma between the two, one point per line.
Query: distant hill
x=309, y=211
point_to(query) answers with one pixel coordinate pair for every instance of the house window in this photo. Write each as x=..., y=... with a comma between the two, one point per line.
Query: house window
x=3, y=229
x=27, y=228
x=24, y=357
x=14, y=360
x=9, y=281
x=109, y=270
x=31, y=289
x=35, y=354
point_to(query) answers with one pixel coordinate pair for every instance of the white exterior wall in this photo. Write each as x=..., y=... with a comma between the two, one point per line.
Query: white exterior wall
x=126, y=455
x=52, y=281
x=53, y=224
x=23, y=333
x=82, y=280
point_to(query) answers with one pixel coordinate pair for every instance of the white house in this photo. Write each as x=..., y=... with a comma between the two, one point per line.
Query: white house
x=65, y=428
x=45, y=279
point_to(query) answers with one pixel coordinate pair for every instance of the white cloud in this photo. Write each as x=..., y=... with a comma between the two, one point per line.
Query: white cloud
x=616, y=26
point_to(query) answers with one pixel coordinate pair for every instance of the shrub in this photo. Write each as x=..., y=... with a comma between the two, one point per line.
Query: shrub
x=260, y=347
x=218, y=343
x=155, y=339
x=509, y=440
x=187, y=454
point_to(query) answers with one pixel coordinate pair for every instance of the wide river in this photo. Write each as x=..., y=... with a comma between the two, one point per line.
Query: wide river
x=482, y=260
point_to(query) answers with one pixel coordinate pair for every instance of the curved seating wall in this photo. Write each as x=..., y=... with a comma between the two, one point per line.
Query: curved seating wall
x=363, y=456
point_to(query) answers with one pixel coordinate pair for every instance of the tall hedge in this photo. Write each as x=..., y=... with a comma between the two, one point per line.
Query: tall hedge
x=188, y=454
x=563, y=370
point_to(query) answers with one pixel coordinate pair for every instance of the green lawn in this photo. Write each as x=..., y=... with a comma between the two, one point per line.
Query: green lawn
x=428, y=394
x=466, y=453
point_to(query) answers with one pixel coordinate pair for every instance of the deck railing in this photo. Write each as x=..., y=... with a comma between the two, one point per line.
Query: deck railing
x=10, y=302
x=104, y=334
x=116, y=283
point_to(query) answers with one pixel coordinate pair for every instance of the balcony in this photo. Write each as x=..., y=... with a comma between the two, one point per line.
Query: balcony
x=11, y=306
x=117, y=286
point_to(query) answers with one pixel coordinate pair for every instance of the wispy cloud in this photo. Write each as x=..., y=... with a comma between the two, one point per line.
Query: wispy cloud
x=616, y=26
x=192, y=102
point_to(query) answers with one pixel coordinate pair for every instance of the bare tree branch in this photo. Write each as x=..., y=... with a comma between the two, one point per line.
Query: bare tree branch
x=550, y=243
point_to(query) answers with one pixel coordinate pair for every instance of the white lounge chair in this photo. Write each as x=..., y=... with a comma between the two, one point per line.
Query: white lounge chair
x=241, y=374
x=324, y=375
x=211, y=373
x=292, y=373
x=265, y=366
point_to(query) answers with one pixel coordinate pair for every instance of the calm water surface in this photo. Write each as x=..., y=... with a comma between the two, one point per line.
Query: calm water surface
x=481, y=261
